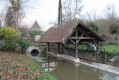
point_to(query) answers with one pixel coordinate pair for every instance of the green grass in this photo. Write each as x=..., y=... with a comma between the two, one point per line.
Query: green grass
x=19, y=67
x=110, y=50
x=80, y=47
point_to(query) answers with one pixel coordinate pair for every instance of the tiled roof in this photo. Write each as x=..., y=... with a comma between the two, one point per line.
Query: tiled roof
x=35, y=25
x=60, y=34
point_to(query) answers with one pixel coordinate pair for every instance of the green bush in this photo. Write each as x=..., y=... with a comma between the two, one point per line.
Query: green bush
x=94, y=26
x=110, y=49
x=2, y=45
x=114, y=29
x=35, y=32
x=23, y=45
x=9, y=36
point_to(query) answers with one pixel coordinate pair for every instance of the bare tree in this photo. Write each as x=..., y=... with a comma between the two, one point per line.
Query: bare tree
x=17, y=9
x=16, y=6
x=71, y=9
x=9, y=17
x=24, y=30
x=112, y=19
x=2, y=17
x=111, y=15
x=110, y=11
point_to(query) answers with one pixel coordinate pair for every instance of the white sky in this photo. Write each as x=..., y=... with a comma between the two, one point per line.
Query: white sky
x=45, y=11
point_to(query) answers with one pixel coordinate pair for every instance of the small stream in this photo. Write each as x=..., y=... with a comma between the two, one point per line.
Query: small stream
x=64, y=70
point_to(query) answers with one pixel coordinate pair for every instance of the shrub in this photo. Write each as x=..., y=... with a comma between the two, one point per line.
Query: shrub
x=94, y=26
x=35, y=32
x=2, y=44
x=114, y=29
x=23, y=45
x=9, y=35
x=110, y=49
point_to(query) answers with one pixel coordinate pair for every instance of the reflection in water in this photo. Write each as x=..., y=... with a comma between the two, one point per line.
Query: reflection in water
x=64, y=70
x=68, y=71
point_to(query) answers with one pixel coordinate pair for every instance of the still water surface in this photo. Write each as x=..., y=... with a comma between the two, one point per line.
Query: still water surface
x=64, y=70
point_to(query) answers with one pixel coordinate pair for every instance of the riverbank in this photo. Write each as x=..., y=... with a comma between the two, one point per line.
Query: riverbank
x=19, y=66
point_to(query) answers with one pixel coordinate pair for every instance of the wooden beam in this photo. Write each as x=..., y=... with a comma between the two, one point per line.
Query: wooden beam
x=72, y=41
x=81, y=38
x=58, y=47
x=98, y=46
x=82, y=35
x=48, y=47
x=83, y=32
x=76, y=45
x=86, y=38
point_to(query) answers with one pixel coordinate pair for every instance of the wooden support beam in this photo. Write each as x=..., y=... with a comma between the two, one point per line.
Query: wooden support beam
x=81, y=38
x=82, y=35
x=58, y=47
x=48, y=47
x=72, y=41
x=76, y=45
x=83, y=32
x=98, y=48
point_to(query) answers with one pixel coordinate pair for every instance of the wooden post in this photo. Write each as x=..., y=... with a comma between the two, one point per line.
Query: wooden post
x=76, y=45
x=62, y=48
x=58, y=47
x=98, y=48
x=48, y=47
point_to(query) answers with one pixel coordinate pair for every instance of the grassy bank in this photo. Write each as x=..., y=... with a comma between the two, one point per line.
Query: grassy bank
x=110, y=49
x=19, y=67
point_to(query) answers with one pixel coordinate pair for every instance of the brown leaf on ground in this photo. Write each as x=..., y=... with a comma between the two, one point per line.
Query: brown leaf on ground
x=20, y=69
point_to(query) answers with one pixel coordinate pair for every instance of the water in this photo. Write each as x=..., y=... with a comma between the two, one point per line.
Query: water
x=64, y=70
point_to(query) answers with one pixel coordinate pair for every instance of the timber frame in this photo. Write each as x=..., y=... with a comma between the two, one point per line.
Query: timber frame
x=74, y=32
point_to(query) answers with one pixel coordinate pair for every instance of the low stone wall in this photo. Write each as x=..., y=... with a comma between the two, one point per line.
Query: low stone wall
x=30, y=40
